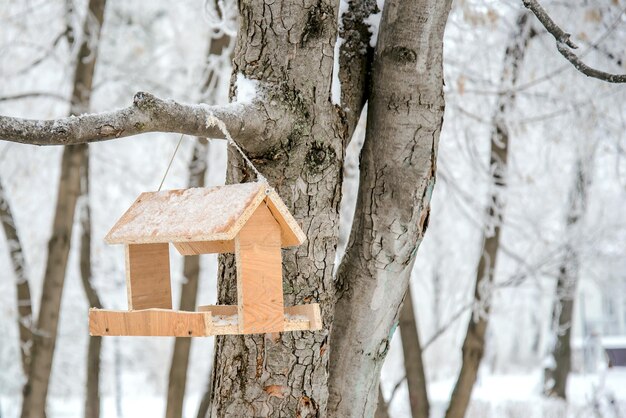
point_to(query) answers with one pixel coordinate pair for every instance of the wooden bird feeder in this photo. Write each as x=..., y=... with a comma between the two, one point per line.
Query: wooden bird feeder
x=248, y=219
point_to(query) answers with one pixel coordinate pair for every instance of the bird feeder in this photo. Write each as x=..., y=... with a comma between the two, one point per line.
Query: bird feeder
x=249, y=220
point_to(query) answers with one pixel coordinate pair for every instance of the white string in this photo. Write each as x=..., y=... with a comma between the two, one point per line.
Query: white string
x=213, y=120
x=167, y=170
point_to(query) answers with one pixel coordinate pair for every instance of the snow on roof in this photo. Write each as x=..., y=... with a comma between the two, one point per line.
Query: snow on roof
x=200, y=214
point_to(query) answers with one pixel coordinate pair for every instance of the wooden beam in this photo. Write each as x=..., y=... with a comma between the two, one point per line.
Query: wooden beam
x=310, y=311
x=205, y=247
x=148, y=276
x=291, y=233
x=149, y=322
x=297, y=318
x=259, y=274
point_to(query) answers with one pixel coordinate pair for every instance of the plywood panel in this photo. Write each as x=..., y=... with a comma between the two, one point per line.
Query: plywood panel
x=225, y=319
x=200, y=215
x=204, y=247
x=195, y=214
x=310, y=311
x=259, y=274
x=148, y=276
x=291, y=233
x=149, y=322
x=219, y=310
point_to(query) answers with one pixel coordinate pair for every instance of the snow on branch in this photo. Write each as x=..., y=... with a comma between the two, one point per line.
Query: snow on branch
x=147, y=114
x=564, y=44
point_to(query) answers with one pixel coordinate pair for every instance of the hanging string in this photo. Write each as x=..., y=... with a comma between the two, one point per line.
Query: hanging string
x=167, y=170
x=213, y=120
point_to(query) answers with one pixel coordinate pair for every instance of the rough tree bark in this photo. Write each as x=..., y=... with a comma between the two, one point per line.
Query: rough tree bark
x=44, y=337
x=559, y=366
x=22, y=286
x=474, y=343
x=288, y=47
x=413, y=364
x=191, y=268
x=404, y=120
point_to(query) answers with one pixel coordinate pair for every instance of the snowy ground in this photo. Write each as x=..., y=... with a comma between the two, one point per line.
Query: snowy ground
x=495, y=396
x=518, y=396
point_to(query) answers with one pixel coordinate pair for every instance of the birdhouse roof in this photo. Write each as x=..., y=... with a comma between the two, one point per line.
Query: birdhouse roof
x=201, y=214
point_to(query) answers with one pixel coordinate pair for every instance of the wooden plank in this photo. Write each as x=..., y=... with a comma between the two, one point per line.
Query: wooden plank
x=148, y=276
x=310, y=311
x=221, y=310
x=291, y=233
x=195, y=214
x=297, y=318
x=149, y=322
x=259, y=274
x=204, y=247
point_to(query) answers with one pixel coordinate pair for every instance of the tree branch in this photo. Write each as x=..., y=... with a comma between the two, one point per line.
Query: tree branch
x=355, y=59
x=42, y=94
x=564, y=45
x=147, y=114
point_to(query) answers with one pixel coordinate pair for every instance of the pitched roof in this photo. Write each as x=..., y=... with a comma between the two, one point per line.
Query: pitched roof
x=201, y=214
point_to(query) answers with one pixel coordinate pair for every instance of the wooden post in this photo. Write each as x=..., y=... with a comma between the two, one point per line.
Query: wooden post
x=259, y=274
x=148, y=276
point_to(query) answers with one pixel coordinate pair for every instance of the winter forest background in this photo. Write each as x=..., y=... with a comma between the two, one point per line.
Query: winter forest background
x=565, y=195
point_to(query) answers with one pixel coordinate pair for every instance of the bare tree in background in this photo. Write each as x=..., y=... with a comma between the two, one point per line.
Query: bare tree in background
x=22, y=284
x=72, y=170
x=559, y=362
x=413, y=360
x=474, y=343
x=94, y=348
x=219, y=47
x=191, y=272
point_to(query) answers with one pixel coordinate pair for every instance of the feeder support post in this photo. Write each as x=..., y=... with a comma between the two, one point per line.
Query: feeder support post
x=259, y=274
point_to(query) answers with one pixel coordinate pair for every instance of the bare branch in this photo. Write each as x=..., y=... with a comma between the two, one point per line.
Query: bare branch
x=147, y=114
x=564, y=45
x=355, y=59
x=41, y=94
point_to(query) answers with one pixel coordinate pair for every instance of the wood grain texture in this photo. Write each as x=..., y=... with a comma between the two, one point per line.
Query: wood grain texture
x=311, y=311
x=148, y=276
x=291, y=233
x=149, y=322
x=205, y=247
x=198, y=215
x=296, y=318
x=259, y=274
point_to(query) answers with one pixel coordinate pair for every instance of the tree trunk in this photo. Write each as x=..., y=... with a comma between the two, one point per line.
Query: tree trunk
x=473, y=346
x=279, y=44
x=404, y=120
x=559, y=366
x=189, y=292
x=205, y=404
x=92, y=398
x=413, y=365
x=382, y=409
x=44, y=339
x=18, y=262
